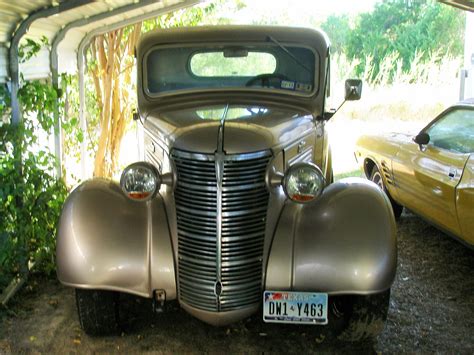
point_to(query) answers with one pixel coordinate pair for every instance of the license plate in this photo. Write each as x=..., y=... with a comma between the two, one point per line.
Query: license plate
x=295, y=307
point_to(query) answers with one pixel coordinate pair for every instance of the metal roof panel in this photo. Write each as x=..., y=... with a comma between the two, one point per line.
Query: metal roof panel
x=13, y=13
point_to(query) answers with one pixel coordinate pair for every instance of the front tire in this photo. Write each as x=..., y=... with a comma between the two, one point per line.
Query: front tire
x=364, y=317
x=98, y=311
x=376, y=177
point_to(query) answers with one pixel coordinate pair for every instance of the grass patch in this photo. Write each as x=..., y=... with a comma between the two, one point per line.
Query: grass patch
x=353, y=173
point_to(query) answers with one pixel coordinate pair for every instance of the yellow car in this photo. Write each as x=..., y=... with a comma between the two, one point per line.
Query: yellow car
x=432, y=173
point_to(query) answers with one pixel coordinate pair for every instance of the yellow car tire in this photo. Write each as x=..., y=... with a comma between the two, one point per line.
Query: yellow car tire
x=377, y=178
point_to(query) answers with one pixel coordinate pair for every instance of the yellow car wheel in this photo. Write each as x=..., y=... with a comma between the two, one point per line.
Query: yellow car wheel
x=377, y=178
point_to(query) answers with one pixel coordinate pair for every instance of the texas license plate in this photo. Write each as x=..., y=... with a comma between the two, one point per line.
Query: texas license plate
x=295, y=307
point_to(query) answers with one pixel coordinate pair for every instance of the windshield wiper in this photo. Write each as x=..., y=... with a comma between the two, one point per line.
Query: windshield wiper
x=284, y=49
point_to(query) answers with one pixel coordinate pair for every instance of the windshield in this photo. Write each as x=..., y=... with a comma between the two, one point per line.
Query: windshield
x=268, y=66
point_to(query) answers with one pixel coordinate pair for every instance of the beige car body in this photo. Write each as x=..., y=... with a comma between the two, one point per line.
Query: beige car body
x=436, y=183
x=344, y=243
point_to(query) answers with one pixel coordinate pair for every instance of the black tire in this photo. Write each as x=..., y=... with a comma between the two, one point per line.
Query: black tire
x=98, y=311
x=364, y=316
x=376, y=177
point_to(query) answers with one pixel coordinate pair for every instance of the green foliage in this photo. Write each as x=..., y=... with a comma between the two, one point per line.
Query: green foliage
x=407, y=29
x=30, y=196
x=39, y=99
x=72, y=134
x=30, y=48
x=338, y=29
x=182, y=18
x=71, y=130
x=4, y=101
x=30, y=203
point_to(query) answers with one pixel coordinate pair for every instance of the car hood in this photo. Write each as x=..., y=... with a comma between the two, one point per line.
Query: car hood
x=391, y=138
x=396, y=137
x=246, y=128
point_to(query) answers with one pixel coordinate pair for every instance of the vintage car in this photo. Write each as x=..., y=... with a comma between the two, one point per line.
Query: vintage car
x=233, y=210
x=431, y=173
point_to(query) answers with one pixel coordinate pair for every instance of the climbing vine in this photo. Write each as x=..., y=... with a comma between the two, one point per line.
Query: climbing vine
x=31, y=196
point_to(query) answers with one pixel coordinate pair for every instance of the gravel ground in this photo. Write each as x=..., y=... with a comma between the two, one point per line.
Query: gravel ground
x=431, y=310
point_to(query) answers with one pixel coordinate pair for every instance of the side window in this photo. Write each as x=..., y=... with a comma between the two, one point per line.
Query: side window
x=454, y=131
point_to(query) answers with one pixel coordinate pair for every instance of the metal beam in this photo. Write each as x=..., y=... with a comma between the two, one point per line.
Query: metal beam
x=16, y=114
x=88, y=20
x=86, y=41
x=54, y=61
x=57, y=131
x=15, y=41
x=14, y=64
x=469, y=57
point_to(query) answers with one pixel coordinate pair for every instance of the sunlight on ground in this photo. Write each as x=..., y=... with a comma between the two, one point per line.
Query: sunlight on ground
x=398, y=108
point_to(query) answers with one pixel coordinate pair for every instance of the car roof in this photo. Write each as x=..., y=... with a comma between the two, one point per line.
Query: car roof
x=230, y=33
x=241, y=34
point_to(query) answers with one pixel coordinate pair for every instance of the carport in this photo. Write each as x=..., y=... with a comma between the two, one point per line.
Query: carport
x=69, y=26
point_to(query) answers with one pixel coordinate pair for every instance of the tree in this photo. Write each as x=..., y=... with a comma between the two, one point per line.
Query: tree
x=111, y=62
x=338, y=29
x=407, y=28
x=112, y=58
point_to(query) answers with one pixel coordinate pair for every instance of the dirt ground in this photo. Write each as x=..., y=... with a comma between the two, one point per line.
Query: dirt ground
x=431, y=310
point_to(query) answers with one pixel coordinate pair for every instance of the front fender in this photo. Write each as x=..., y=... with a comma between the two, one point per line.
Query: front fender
x=344, y=243
x=107, y=241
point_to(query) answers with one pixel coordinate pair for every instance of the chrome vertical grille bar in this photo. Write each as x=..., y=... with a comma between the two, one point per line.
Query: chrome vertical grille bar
x=221, y=205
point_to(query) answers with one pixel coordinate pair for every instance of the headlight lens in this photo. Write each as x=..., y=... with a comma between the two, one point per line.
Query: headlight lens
x=303, y=182
x=140, y=181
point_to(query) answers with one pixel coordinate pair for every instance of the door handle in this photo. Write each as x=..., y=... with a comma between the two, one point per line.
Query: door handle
x=452, y=173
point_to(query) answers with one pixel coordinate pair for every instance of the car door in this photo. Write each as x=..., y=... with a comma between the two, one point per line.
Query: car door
x=465, y=202
x=427, y=175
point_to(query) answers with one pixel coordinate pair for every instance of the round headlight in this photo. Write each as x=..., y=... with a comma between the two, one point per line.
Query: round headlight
x=140, y=181
x=303, y=182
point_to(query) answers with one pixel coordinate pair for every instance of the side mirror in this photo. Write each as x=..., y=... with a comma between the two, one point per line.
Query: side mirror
x=422, y=139
x=353, y=89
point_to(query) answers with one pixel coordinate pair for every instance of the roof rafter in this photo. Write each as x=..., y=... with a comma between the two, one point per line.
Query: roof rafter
x=15, y=41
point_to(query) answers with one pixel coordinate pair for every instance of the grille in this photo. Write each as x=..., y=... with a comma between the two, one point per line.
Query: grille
x=232, y=255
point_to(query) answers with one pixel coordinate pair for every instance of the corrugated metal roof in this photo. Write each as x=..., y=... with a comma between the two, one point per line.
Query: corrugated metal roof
x=12, y=13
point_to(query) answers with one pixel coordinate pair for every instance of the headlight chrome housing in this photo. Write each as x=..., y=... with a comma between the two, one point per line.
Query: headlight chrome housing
x=303, y=182
x=140, y=181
